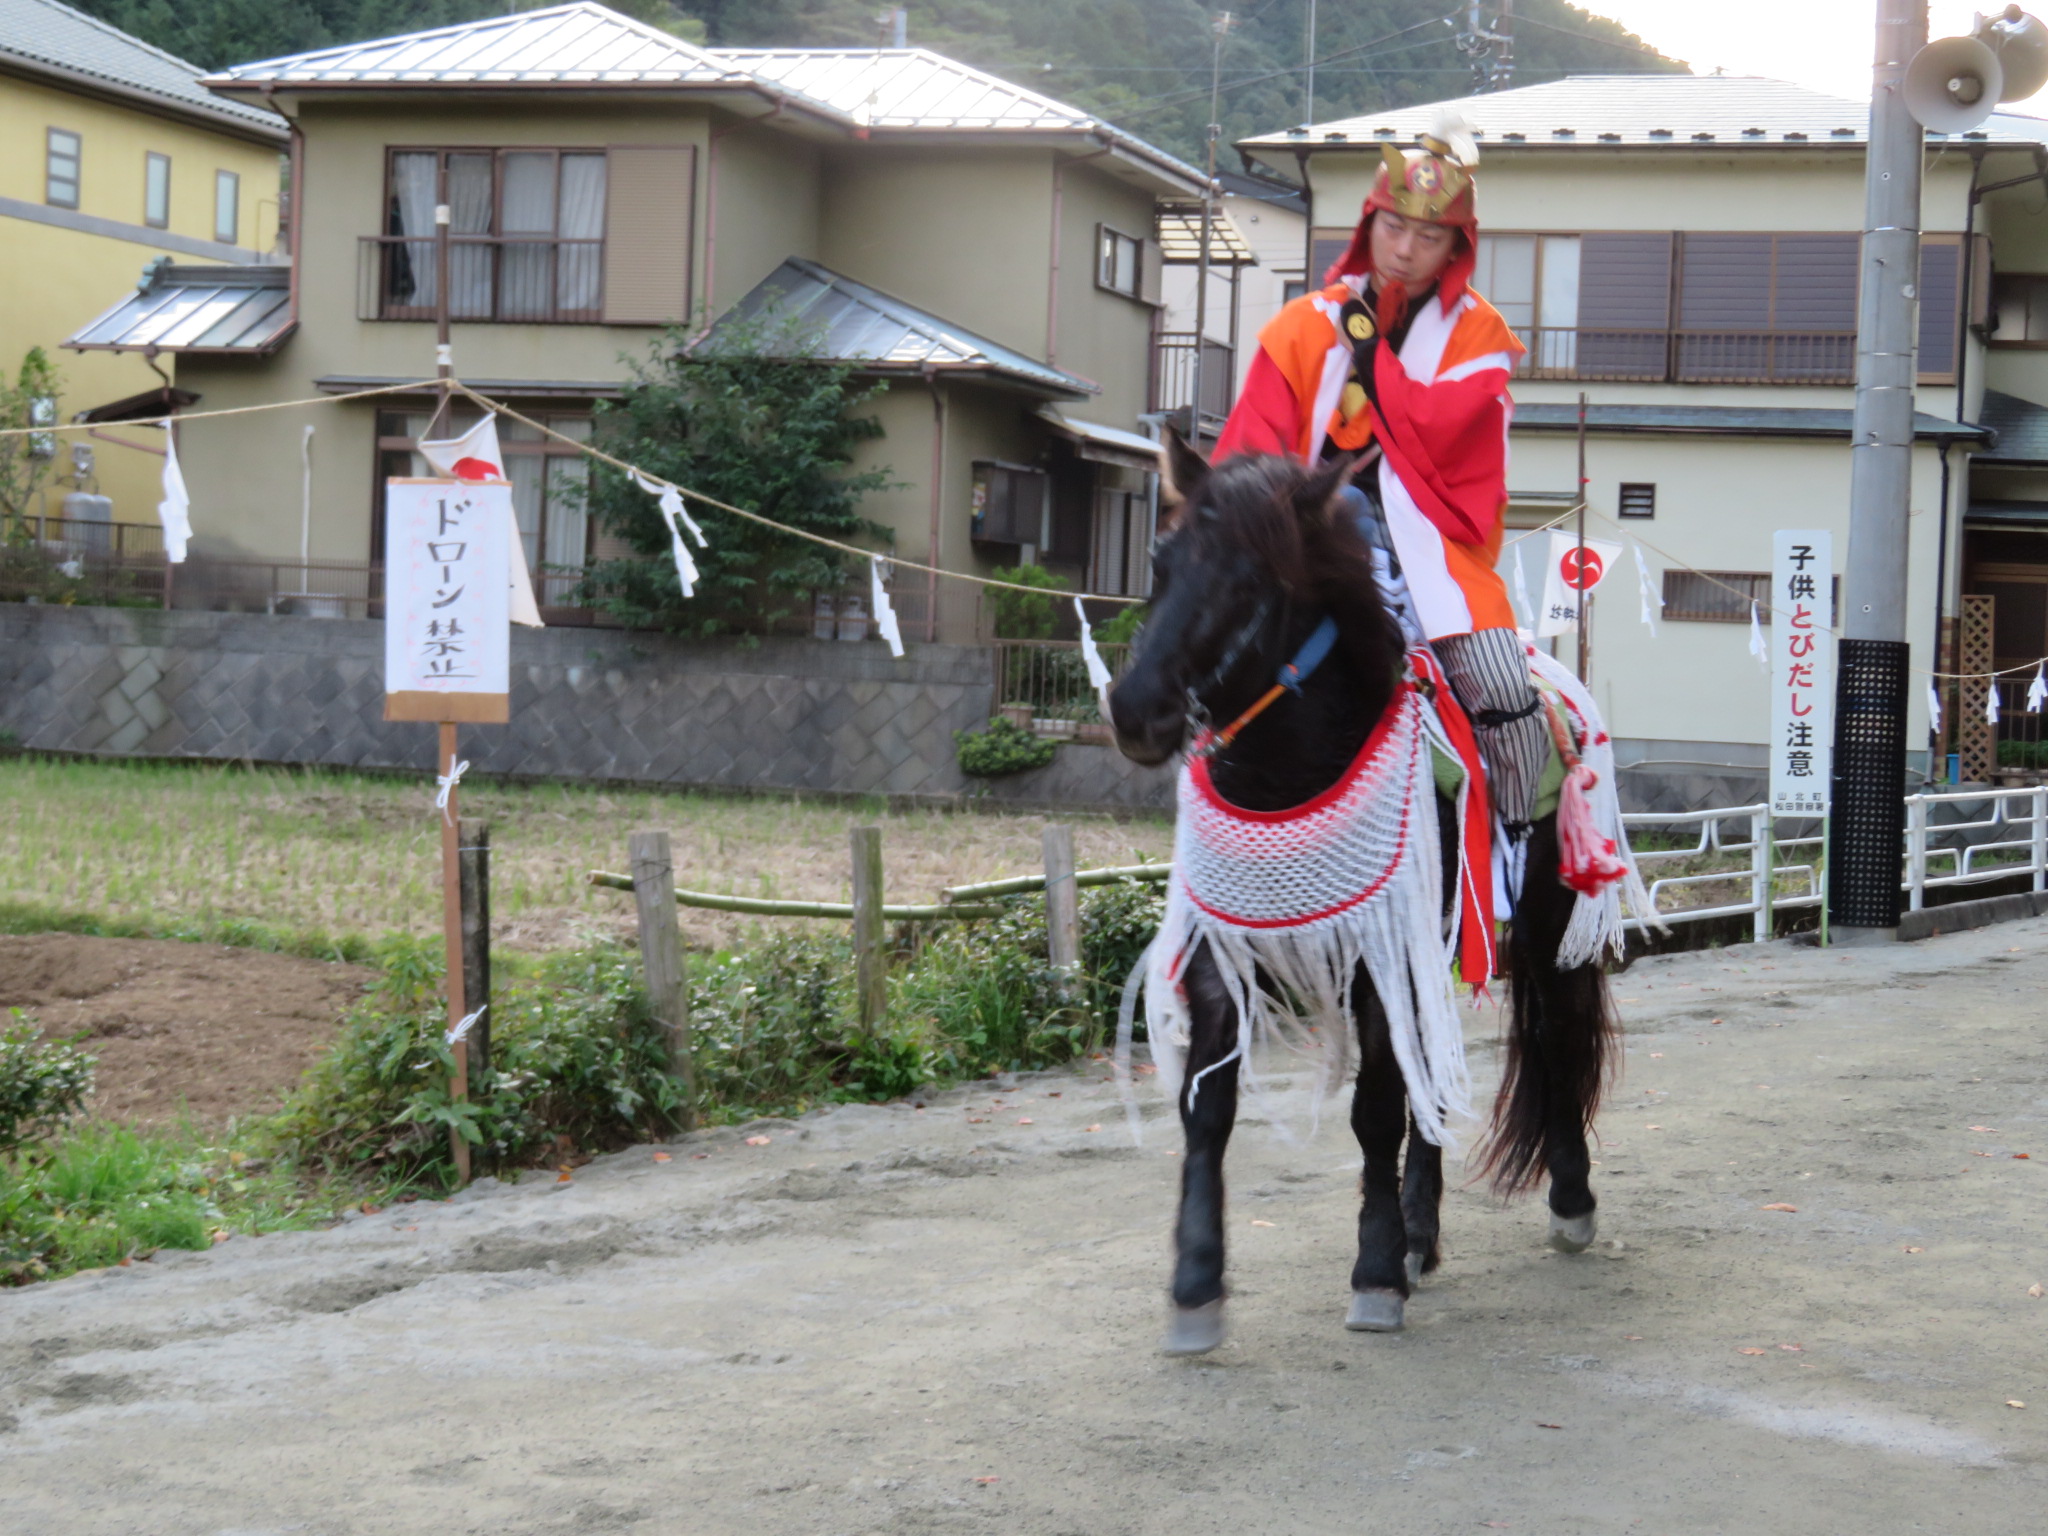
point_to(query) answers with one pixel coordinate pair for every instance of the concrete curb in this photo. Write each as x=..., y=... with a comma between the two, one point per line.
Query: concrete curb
x=1960, y=915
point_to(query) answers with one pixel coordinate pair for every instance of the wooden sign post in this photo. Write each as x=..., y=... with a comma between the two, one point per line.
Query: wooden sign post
x=447, y=660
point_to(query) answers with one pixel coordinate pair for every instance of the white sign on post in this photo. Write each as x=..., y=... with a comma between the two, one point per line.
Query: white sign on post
x=1572, y=570
x=1802, y=670
x=447, y=644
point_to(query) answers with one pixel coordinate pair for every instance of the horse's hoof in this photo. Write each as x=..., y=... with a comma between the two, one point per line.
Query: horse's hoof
x=1195, y=1330
x=1573, y=1234
x=1375, y=1312
x=1414, y=1270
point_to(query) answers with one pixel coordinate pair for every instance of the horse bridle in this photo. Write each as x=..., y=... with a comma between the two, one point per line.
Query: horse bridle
x=1233, y=653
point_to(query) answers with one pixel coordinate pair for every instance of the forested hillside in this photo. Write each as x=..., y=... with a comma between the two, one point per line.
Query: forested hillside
x=1143, y=64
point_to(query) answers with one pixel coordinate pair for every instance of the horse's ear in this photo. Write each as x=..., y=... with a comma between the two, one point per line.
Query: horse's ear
x=1185, y=468
x=1318, y=493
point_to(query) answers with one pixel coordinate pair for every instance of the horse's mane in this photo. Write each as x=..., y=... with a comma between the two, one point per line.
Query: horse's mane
x=1317, y=559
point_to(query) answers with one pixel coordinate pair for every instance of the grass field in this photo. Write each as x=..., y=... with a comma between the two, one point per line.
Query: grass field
x=339, y=853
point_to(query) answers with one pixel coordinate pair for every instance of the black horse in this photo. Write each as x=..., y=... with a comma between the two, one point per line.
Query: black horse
x=1257, y=554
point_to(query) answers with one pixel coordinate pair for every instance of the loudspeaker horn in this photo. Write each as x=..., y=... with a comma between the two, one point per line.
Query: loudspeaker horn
x=2021, y=43
x=1952, y=84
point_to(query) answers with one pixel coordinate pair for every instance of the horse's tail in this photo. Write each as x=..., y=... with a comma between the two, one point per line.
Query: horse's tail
x=1562, y=1031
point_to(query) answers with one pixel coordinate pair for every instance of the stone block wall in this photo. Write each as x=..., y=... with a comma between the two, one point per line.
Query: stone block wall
x=595, y=704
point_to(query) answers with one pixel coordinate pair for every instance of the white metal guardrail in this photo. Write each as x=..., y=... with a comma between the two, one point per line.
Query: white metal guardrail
x=2008, y=836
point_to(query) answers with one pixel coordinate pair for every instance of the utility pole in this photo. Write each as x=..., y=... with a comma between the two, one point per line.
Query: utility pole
x=1220, y=27
x=1866, y=810
x=1308, y=70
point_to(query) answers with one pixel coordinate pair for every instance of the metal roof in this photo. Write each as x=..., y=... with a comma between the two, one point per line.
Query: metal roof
x=576, y=44
x=1180, y=238
x=1104, y=444
x=1639, y=111
x=909, y=90
x=1724, y=421
x=854, y=323
x=44, y=38
x=240, y=310
x=2022, y=429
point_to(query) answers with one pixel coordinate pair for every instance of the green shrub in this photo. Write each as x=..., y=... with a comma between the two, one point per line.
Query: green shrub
x=1027, y=615
x=2023, y=754
x=573, y=1053
x=1004, y=748
x=103, y=1196
x=1122, y=629
x=43, y=1083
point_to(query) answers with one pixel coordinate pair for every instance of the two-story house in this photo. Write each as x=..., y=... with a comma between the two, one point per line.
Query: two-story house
x=1684, y=252
x=983, y=251
x=113, y=155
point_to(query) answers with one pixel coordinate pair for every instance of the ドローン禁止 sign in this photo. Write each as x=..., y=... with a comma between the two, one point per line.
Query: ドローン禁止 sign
x=447, y=647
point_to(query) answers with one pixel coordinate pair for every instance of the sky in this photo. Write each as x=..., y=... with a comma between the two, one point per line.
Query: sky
x=1825, y=44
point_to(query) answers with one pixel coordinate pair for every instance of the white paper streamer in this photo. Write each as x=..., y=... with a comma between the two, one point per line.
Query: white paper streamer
x=678, y=518
x=1757, y=648
x=1098, y=669
x=175, y=510
x=1522, y=592
x=464, y=1025
x=446, y=783
x=1991, y=701
x=1933, y=708
x=2037, y=691
x=885, y=616
x=1649, y=597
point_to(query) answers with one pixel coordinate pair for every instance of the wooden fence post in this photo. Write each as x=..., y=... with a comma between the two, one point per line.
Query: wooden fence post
x=473, y=855
x=1062, y=901
x=871, y=973
x=661, y=953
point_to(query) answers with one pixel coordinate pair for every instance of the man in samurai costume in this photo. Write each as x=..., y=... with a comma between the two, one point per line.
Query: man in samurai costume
x=1399, y=360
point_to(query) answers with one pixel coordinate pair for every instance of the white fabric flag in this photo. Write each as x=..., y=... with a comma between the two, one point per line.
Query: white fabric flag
x=672, y=513
x=2037, y=690
x=885, y=616
x=1528, y=609
x=1757, y=648
x=1098, y=669
x=1991, y=700
x=175, y=510
x=1933, y=708
x=1649, y=596
x=475, y=455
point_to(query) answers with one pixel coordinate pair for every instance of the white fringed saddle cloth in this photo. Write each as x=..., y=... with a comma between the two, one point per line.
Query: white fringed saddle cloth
x=1292, y=902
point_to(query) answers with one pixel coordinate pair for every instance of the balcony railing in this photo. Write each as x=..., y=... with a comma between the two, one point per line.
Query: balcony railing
x=1689, y=357
x=83, y=560
x=1173, y=375
x=534, y=280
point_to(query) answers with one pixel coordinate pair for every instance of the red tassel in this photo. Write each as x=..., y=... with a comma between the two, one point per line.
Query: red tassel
x=1588, y=860
x=1390, y=306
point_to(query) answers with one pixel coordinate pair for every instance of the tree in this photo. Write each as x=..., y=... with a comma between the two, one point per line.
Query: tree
x=757, y=419
x=26, y=462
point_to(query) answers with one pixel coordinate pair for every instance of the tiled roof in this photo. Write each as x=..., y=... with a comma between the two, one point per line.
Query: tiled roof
x=45, y=38
x=2022, y=429
x=1640, y=111
x=856, y=324
x=240, y=310
x=1723, y=421
x=582, y=43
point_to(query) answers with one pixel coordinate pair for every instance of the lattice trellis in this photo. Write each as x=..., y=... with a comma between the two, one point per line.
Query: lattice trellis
x=1975, y=737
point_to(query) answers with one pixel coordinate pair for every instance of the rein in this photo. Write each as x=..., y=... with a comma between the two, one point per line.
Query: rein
x=1314, y=650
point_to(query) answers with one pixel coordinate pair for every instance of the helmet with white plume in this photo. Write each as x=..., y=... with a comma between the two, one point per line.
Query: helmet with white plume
x=1434, y=184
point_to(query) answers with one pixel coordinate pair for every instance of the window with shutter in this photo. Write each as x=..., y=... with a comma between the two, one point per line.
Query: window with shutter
x=1624, y=310
x=1940, y=293
x=1009, y=503
x=1638, y=499
x=649, y=233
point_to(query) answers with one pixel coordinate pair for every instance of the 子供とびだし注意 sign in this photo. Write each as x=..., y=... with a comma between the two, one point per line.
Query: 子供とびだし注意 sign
x=447, y=640
x=1802, y=650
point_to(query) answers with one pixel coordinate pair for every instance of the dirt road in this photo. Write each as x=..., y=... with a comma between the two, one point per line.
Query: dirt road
x=939, y=1320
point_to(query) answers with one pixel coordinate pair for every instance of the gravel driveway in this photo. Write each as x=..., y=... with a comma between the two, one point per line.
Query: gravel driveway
x=945, y=1319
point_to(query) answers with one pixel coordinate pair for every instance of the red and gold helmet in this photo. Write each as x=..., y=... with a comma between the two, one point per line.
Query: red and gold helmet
x=1433, y=183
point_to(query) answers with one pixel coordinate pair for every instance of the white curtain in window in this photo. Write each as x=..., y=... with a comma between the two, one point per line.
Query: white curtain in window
x=528, y=209
x=409, y=268
x=1558, y=304
x=524, y=471
x=579, y=268
x=469, y=213
x=568, y=541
